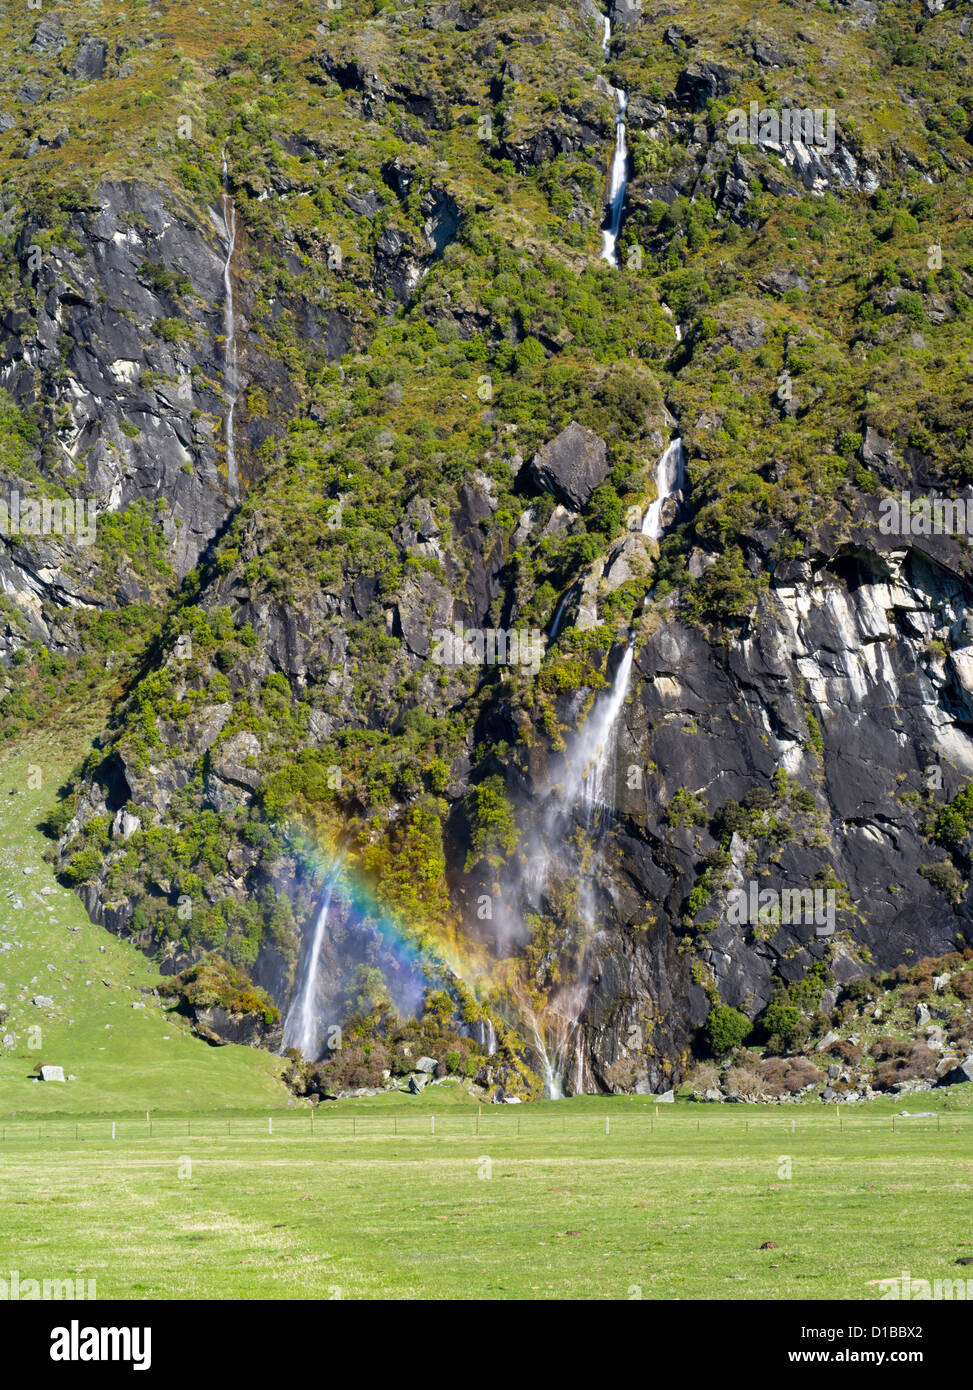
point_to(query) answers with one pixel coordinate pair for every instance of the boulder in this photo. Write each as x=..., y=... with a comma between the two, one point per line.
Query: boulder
x=42, y=1001
x=572, y=465
x=963, y=1071
x=417, y=1084
x=427, y=1065
x=217, y=1026
x=237, y=758
x=666, y=1098
x=49, y=37
x=52, y=1073
x=625, y=13
x=701, y=81
x=89, y=61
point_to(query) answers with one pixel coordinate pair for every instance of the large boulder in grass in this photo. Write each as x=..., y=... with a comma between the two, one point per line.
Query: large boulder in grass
x=963, y=1071
x=572, y=465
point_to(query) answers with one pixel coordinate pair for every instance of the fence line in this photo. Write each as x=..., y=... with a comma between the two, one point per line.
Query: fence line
x=489, y=1121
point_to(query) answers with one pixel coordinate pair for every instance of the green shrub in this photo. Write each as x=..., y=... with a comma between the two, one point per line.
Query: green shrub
x=726, y=1029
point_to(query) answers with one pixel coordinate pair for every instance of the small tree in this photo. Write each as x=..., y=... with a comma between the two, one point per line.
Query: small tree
x=726, y=1029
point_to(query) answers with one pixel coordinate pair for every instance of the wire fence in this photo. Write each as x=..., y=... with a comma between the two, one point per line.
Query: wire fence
x=489, y=1121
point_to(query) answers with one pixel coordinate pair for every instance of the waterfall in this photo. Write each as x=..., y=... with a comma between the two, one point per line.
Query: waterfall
x=303, y=1027
x=229, y=327
x=557, y=616
x=586, y=790
x=670, y=473
x=619, y=168
x=592, y=759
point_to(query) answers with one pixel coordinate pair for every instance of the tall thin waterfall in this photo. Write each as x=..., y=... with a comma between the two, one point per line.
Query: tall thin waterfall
x=229, y=328
x=670, y=476
x=585, y=793
x=589, y=782
x=303, y=1026
x=619, y=168
x=586, y=790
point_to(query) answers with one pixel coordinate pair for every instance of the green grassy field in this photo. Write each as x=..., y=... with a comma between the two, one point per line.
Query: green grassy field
x=375, y=1205
x=126, y=1060
x=409, y=1196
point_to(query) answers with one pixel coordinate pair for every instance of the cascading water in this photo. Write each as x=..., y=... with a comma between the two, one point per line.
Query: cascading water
x=588, y=785
x=585, y=793
x=592, y=761
x=229, y=328
x=619, y=168
x=558, y=615
x=303, y=1025
x=670, y=474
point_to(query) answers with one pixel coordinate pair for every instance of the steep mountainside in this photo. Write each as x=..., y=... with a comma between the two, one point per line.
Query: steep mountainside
x=322, y=307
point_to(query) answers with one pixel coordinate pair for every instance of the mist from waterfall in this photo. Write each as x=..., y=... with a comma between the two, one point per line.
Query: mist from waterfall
x=304, y=1026
x=670, y=478
x=229, y=329
x=584, y=797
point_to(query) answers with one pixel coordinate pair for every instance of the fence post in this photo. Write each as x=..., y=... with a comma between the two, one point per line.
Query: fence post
x=113, y=1129
x=270, y=1125
x=432, y=1124
x=607, y=1124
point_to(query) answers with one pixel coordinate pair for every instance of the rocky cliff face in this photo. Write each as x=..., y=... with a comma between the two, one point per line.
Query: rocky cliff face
x=450, y=411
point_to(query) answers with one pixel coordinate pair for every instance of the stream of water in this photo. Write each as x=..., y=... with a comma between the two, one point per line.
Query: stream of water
x=303, y=1026
x=619, y=168
x=229, y=329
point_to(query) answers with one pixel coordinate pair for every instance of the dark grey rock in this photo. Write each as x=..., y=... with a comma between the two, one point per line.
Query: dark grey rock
x=572, y=465
x=701, y=81
x=90, y=60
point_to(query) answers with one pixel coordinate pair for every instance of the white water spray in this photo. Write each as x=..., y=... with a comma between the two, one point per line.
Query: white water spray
x=592, y=759
x=619, y=168
x=303, y=1025
x=229, y=328
x=670, y=476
